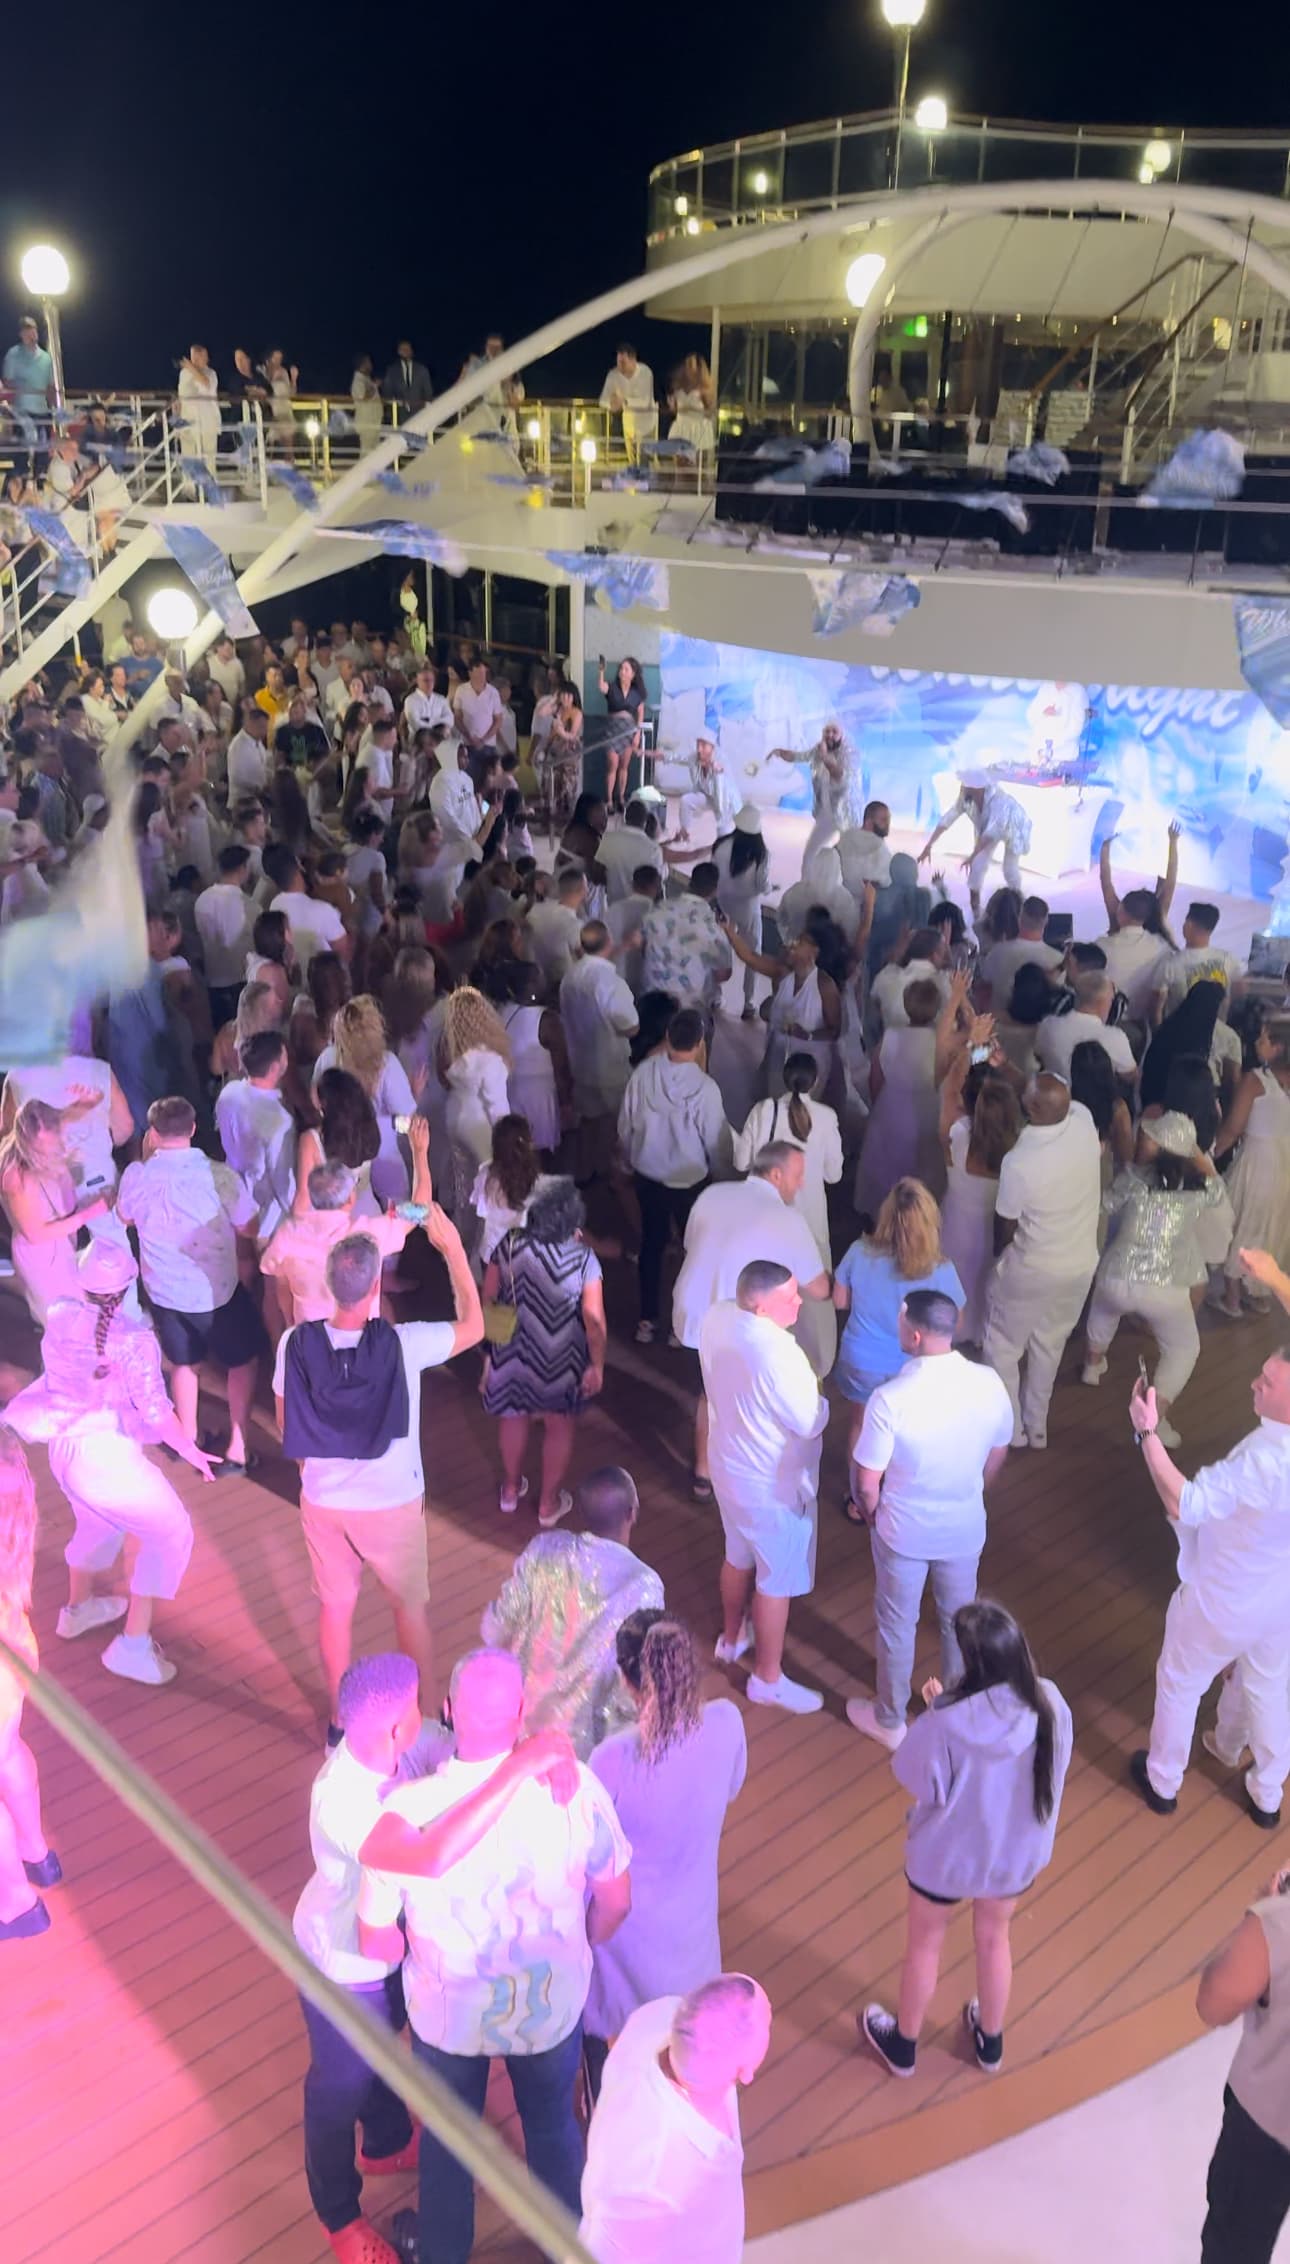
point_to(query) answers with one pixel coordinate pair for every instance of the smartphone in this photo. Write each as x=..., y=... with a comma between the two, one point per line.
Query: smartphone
x=1143, y=1377
x=978, y=1054
x=415, y=1213
x=1283, y=1883
x=403, y=1124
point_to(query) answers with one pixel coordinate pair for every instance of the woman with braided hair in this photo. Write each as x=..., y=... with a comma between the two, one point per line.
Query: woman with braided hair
x=27, y=1862
x=671, y=1778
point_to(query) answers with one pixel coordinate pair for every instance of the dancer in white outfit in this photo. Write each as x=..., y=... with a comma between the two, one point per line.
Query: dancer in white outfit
x=534, y=1087
x=837, y=787
x=1259, y=1181
x=100, y=1401
x=998, y=821
x=742, y=860
x=42, y=1201
x=1045, y=1226
x=198, y=391
x=710, y=789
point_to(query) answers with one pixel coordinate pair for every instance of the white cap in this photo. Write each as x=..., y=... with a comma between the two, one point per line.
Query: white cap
x=748, y=819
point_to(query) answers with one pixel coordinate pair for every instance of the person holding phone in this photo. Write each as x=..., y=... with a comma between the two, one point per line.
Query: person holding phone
x=625, y=706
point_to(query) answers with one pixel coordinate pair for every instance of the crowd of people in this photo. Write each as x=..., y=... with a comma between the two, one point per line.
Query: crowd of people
x=384, y=1063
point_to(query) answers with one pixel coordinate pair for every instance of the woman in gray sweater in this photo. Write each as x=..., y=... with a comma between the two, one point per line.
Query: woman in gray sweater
x=985, y=1765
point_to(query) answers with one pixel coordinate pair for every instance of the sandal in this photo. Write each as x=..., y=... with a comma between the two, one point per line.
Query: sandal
x=563, y=1505
x=508, y=1508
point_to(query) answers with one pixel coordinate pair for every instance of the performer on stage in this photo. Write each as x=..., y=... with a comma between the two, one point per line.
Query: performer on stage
x=837, y=778
x=998, y=821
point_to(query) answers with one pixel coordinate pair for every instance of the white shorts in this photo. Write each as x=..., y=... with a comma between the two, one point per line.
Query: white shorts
x=775, y=1542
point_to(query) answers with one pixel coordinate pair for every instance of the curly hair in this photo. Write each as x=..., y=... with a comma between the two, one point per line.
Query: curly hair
x=658, y=1661
x=909, y=1230
x=359, y=1036
x=468, y=1022
x=17, y=1522
x=556, y=1213
x=515, y=1168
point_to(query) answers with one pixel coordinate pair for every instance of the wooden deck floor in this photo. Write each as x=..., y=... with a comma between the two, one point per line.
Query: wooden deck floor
x=150, y=2061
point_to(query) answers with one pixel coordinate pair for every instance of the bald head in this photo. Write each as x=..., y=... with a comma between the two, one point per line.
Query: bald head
x=487, y=1699
x=720, y=2034
x=1047, y=1099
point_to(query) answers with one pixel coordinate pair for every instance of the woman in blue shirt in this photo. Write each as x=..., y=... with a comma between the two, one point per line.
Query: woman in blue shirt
x=871, y=1284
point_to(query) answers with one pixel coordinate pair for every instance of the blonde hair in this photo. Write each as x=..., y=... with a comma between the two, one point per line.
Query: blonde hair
x=359, y=1036
x=909, y=1230
x=259, y=1008
x=35, y=1120
x=469, y=1021
x=17, y=1522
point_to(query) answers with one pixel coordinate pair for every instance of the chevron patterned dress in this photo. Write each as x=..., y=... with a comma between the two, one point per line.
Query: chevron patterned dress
x=540, y=1371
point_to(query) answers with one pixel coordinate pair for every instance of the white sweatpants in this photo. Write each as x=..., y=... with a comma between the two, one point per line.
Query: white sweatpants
x=980, y=866
x=1253, y=1708
x=824, y=829
x=1169, y=1316
x=114, y=1490
x=1030, y=1315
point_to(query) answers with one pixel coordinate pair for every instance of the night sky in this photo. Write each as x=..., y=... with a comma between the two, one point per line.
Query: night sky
x=251, y=178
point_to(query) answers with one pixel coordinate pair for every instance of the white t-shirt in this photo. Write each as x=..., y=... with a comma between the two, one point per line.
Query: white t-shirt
x=87, y=1139
x=247, y=765
x=633, y=391
x=313, y=925
x=1000, y=964
x=229, y=674
x=864, y=857
x=378, y=762
x=619, y=855
x=1199, y=963
x=662, y=2185
x=498, y=1959
x=765, y=1408
x=478, y=712
x=554, y=930
x=258, y=1136
x=1133, y=962
x=222, y=918
x=1051, y=1184
x=731, y=1224
x=396, y=1476
x=929, y=1430
x=188, y=1212
x=1059, y=1034
x=345, y=1804
x=360, y=867
x=888, y=989
x=338, y=696
x=599, y=1015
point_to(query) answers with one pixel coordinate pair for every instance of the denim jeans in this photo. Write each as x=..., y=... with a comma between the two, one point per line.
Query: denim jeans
x=341, y=2090
x=899, y=1582
x=543, y=2084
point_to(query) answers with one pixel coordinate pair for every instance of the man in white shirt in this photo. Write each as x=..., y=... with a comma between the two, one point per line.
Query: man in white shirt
x=368, y=1508
x=625, y=921
x=340, y=693
x=864, y=852
x=998, y=969
x=554, y=926
x=322, y=666
x=684, y=950
x=477, y=709
x=257, y=1133
x=314, y=925
x=180, y=707
x=599, y=1016
x=452, y=795
x=385, y=1743
x=664, y=2176
x=424, y=708
x=837, y=784
x=734, y=1221
x=1059, y=1034
x=226, y=670
x=932, y=1440
x=498, y=1942
x=376, y=760
x=710, y=789
x=1134, y=956
x=1232, y=1603
x=249, y=761
x=766, y=1418
x=624, y=849
x=997, y=820
x=1201, y=960
x=629, y=390
x=673, y=1133
x=223, y=918
x=1045, y=1235
x=195, y=1223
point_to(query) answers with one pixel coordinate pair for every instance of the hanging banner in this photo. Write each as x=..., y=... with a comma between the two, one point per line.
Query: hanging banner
x=403, y=538
x=872, y=602
x=1263, y=638
x=202, y=480
x=72, y=573
x=617, y=582
x=211, y=575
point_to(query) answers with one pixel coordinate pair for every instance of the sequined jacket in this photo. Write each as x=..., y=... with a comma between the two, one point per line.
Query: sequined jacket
x=559, y=1613
x=1154, y=1242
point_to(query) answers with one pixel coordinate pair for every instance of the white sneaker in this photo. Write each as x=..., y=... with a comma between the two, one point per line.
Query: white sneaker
x=1093, y=1371
x=136, y=1659
x=1019, y=1438
x=862, y=1713
x=1038, y=1440
x=93, y=1611
x=794, y=1697
x=728, y=1653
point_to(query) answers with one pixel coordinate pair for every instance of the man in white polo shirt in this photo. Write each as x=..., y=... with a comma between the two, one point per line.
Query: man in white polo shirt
x=385, y=1744
x=766, y=1417
x=343, y=1387
x=424, y=708
x=1059, y=1034
x=1045, y=1235
x=932, y=1440
x=249, y=762
x=664, y=2176
x=222, y=916
x=313, y=924
x=477, y=709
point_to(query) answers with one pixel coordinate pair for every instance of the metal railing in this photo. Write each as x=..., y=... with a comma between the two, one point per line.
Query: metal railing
x=759, y=178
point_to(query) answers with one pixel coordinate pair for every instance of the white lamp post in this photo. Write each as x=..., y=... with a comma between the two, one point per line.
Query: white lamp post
x=45, y=275
x=902, y=15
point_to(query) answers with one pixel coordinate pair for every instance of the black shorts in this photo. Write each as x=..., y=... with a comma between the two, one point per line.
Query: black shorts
x=230, y=1336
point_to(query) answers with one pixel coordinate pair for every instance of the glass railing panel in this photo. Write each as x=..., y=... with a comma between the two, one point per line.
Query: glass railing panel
x=1260, y=170
x=719, y=198
x=864, y=159
x=808, y=172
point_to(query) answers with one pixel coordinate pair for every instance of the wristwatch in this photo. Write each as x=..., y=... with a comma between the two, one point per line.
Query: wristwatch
x=1139, y=1436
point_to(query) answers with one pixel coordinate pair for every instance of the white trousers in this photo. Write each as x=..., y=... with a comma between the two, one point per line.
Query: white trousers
x=980, y=866
x=114, y=1490
x=1253, y=1706
x=1169, y=1316
x=824, y=829
x=1030, y=1315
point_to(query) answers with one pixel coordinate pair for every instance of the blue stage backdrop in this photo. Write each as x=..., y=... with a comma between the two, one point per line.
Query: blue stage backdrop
x=1087, y=759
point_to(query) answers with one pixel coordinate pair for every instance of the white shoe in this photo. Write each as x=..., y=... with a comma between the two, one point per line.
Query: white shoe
x=794, y=1697
x=1209, y=1739
x=645, y=1332
x=1038, y=1440
x=1093, y=1371
x=136, y=1659
x=93, y=1611
x=1166, y=1433
x=1019, y=1438
x=862, y=1713
x=728, y=1653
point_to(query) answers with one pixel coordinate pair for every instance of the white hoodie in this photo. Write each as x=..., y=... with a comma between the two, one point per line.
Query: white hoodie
x=672, y=1122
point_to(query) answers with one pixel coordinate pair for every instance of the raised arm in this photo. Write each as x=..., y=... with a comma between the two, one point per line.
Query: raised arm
x=760, y=961
x=1167, y=882
x=469, y=1321
x=1109, y=896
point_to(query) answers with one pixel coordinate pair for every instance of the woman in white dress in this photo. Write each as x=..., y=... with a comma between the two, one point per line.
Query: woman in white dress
x=903, y=1135
x=472, y=1062
x=39, y=1197
x=198, y=391
x=365, y=394
x=743, y=861
x=281, y=382
x=1259, y=1180
x=541, y=1083
x=359, y=1044
x=980, y=1122
x=692, y=398
x=812, y=1127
